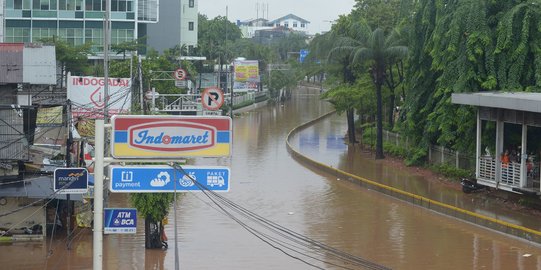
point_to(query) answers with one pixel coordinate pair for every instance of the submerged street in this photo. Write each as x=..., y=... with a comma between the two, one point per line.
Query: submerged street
x=270, y=183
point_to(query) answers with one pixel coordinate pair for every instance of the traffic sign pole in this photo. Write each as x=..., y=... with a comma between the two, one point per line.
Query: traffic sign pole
x=177, y=262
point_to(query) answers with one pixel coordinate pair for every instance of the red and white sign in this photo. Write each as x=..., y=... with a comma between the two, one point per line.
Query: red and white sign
x=163, y=136
x=87, y=95
x=212, y=98
x=179, y=74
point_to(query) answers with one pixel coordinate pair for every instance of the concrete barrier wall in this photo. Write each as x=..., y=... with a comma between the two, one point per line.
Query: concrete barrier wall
x=442, y=208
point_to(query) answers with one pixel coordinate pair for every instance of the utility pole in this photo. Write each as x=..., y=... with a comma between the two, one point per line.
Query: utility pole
x=106, y=42
x=69, y=142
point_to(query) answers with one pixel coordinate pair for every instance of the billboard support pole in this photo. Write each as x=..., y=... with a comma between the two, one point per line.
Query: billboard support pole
x=97, y=257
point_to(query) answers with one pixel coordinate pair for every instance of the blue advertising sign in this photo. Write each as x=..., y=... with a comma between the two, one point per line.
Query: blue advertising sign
x=302, y=55
x=120, y=221
x=141, y=179
x=70, y=180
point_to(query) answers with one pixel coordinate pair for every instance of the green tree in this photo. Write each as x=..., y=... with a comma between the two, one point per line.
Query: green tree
x=128, y=46
x=154, y=207
x=467, y=46
x=383, y=14
x=71, y=58
x=289, y=46
x=375, y=51
x=213, y=35
x=340, y=64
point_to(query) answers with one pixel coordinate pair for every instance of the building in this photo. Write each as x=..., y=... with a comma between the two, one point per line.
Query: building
x=508, y=151
x=249, y=28
x=292, y=22
x=269, y=35
x=177, y=25
x=76, y=21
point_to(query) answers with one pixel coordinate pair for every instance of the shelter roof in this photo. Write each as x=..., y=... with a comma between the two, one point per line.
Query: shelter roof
x=519, y=101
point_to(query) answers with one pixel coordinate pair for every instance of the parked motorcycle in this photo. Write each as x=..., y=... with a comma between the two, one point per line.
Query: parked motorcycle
x=469, y=185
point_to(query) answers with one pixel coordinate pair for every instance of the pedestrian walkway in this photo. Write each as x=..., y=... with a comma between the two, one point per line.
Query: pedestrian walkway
x=328, y=151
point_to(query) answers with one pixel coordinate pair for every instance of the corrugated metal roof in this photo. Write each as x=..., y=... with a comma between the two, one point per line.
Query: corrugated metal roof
x=11, y=63
x=39, y=64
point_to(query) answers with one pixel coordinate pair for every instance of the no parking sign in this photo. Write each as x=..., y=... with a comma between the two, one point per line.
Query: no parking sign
x=212, y=98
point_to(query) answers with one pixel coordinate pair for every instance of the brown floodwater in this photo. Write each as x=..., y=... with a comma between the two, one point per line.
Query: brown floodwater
x=269, y=182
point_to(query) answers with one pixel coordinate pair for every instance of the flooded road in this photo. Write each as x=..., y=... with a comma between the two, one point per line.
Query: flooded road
x=269, y=182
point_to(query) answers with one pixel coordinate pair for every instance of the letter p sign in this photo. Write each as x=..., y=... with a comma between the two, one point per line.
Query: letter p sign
x=212, y=98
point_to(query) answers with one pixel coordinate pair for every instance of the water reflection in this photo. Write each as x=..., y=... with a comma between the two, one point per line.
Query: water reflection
x=268, y=181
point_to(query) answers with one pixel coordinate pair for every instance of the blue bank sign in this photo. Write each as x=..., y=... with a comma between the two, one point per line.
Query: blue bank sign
x=70, y=180
x=143, y=179
x=120, y=221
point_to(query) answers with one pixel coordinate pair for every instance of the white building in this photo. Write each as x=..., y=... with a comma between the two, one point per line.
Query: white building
x=291, y=22
x=249, y=27
x=177, y=25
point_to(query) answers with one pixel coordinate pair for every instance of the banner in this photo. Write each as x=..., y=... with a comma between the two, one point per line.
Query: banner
x=50, y=117
x=88, y=97
x=246, y=70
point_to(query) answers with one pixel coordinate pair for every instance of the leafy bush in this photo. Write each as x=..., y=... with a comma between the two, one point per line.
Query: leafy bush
x=450, y=171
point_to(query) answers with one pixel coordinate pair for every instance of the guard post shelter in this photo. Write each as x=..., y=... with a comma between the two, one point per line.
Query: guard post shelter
x=507, y=148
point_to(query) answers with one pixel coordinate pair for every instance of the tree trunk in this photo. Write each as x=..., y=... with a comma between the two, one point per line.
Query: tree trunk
x=391, y=109
x=379, y=116
x=351, y=126
x=147, y=234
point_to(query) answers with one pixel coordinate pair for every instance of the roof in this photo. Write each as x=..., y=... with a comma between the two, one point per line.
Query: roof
x=290, y=16
x=254, y=20
x=519, y=101
x=37, y=188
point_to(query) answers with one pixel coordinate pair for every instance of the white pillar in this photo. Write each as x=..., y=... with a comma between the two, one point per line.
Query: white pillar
x=478, y=146
x=499, y=147
x=523, y=157
x=97, y=260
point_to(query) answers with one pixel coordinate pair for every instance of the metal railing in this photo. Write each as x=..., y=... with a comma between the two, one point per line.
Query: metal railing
x=510, y=174
x=487, y=168
x=192, y=102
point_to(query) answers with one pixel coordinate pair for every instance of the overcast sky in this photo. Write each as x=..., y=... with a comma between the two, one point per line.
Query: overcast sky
x=317, y=12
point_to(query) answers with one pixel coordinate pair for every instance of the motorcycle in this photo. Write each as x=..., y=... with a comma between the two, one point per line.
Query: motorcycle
x=469, y=186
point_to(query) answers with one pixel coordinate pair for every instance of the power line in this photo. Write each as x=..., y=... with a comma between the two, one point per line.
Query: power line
x=312, y=245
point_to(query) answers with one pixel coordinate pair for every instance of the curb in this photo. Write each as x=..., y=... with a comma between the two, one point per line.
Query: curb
x=442, y=208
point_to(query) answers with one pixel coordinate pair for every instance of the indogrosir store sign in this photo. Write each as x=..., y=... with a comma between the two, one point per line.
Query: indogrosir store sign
x=160, y=136
x=87, y=95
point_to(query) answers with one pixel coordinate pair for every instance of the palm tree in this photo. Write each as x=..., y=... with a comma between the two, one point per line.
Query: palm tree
x=326, y=45
x=374, y=50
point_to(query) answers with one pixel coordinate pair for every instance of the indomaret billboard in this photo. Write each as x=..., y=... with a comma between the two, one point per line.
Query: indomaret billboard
x=87, y=96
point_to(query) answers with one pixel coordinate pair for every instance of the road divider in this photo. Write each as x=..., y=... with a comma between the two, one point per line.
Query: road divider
x=439, y=207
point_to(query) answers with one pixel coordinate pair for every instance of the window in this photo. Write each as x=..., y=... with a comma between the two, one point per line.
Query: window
x=41, y=33
x=295, y=24
x=192, y=3
x=303, y=25
x=95, y=36
x=286, y=25
x=190, y=26
x=73, y=36
x=17, y=34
